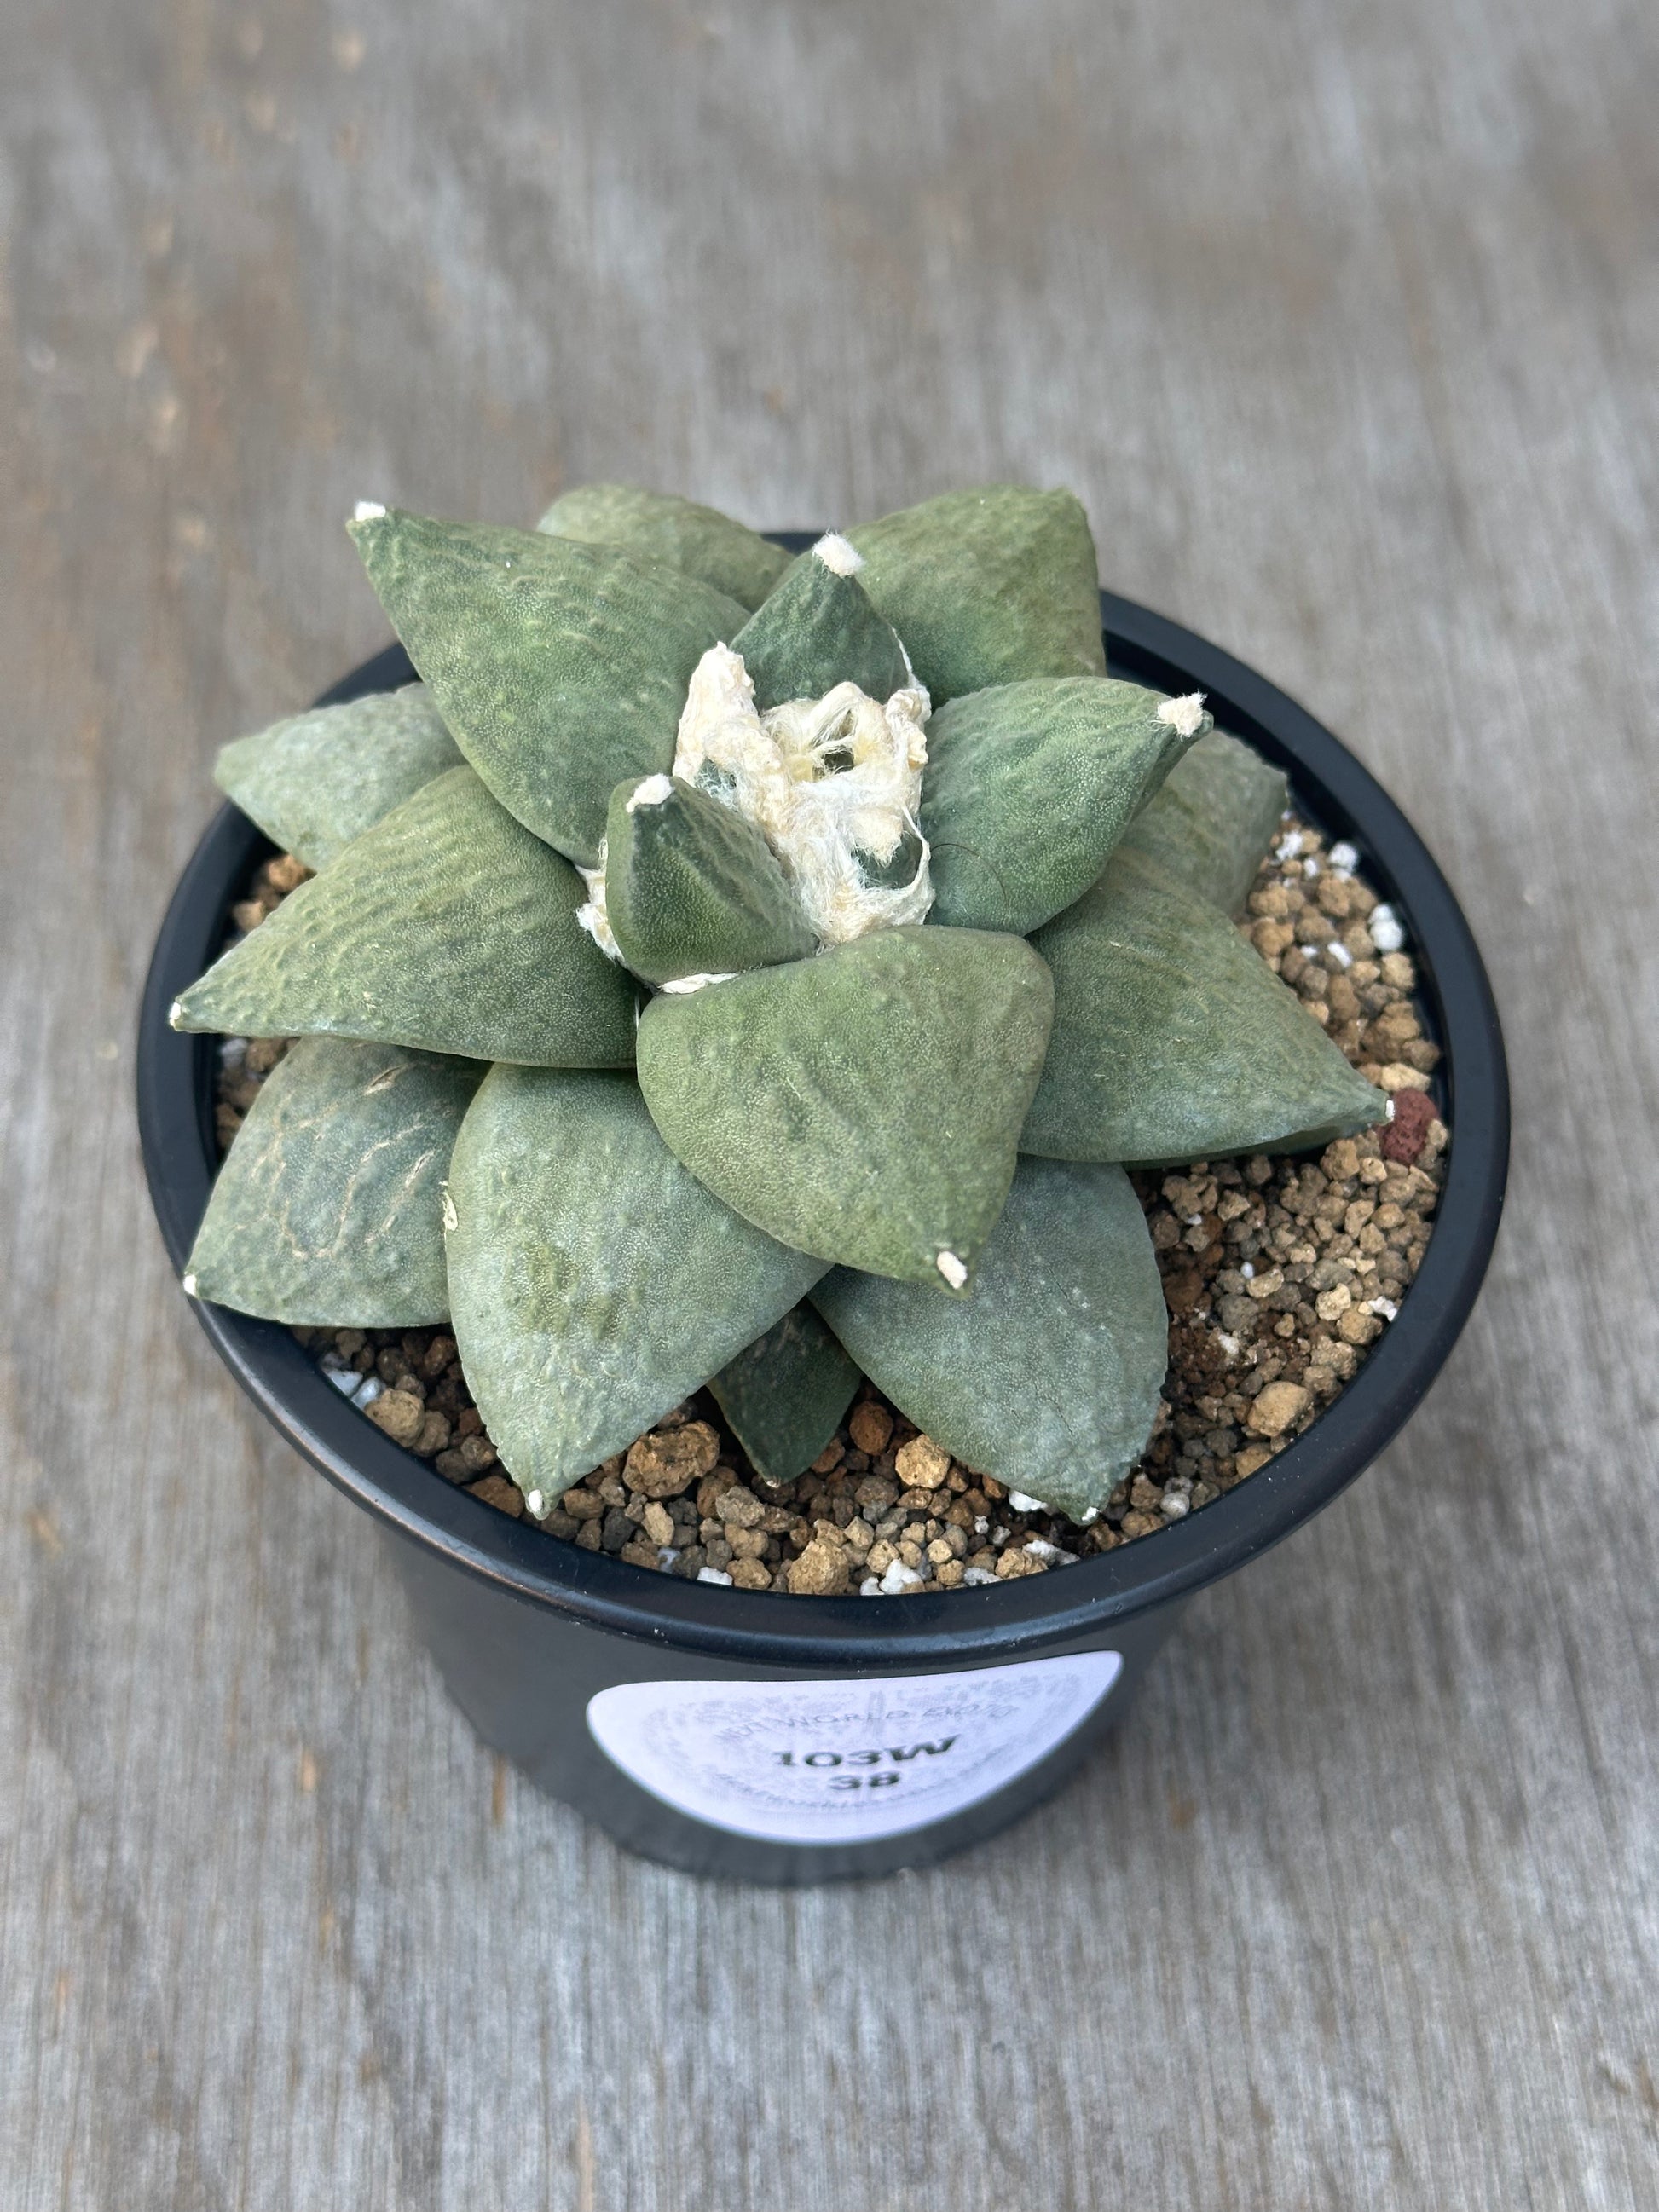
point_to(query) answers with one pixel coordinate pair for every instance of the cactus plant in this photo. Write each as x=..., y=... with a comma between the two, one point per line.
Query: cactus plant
x=722, y=969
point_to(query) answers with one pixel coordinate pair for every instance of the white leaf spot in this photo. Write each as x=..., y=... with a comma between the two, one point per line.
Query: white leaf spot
x=650, y=791
x=1183, y=715
x=841, y=558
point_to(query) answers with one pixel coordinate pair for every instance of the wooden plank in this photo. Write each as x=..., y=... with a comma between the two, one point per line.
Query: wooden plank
x=1343, y=322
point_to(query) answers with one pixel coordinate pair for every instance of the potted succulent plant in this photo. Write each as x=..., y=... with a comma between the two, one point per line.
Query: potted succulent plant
x=742, y=969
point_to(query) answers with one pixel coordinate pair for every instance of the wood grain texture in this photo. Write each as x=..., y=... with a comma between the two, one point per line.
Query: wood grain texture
x=1342, y=320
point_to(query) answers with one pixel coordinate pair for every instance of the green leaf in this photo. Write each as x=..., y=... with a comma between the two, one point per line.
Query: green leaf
x=329, y=1207
x=447, y=927
x=1049, y=1376
x=863, y=1105
x=1030, y=786
x=1174, y=1040
x=988, y=586
x=559, y=668
x=317, y=781
x=783, y=1395
x=593, y=1283
x=1215, y=816
x=818, y=629
x=692, y=888
x=654, y=526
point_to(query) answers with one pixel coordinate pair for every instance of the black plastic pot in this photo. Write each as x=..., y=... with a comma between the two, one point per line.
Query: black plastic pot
x=783, y=1739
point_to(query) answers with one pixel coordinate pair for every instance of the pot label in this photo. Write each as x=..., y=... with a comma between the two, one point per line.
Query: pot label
x=819, y=1762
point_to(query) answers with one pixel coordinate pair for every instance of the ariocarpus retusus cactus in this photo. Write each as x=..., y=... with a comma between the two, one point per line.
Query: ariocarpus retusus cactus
x=720, y=954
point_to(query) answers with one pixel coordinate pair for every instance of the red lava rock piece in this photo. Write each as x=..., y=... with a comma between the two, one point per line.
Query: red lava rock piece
x=1404, y=1137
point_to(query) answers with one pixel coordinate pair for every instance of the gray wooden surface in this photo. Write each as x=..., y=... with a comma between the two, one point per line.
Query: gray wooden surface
x=1344, y=319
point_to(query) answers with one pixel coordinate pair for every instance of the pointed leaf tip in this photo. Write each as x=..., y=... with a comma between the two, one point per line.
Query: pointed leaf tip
x=1185, y=715
x=1174, y=1040
x=659, y=526
x=783, y=1396
x=581, y=1322
x=652, y=791
x=1212, y=818
x=838, y=553
x=1030, y=786
x=447, y=927
x=692, y=890
x=863, y=1104
x=558, y=666
x=818, y=629
x=988, y=586
x=1049, y=1376
x=315, y=782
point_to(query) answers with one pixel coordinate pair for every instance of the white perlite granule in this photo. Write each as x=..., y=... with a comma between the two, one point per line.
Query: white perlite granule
x=1388, y=932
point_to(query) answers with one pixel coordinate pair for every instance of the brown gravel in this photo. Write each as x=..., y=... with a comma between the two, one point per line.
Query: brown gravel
x=244, y=1062
x=1280, y=1273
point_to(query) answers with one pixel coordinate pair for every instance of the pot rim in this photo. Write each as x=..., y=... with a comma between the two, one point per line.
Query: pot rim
x=931, y=1627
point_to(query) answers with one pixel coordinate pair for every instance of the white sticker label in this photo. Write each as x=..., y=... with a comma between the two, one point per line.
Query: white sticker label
x=823, y=1762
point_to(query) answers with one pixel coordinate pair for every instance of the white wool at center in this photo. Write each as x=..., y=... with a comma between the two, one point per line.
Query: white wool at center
x=824, y=780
